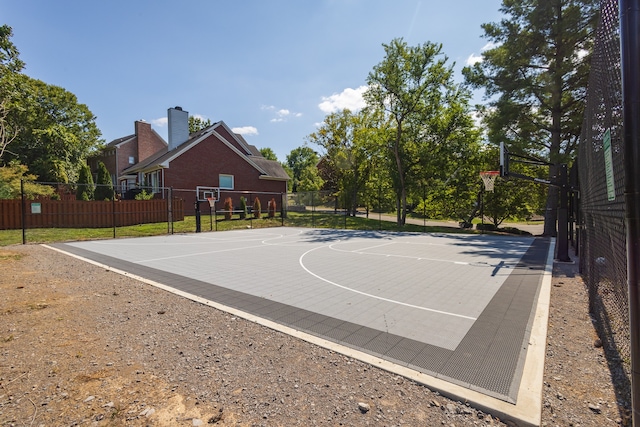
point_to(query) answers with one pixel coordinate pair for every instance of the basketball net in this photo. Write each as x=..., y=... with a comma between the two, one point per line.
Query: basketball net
x=212, y=201
x=489, y=178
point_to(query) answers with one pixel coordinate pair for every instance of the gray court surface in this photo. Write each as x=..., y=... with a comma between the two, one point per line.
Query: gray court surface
x=455, y=307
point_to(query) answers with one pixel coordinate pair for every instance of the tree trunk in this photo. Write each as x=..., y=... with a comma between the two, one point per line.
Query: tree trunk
x=402, y=195
x=551, y=211
x=404, y=206
x=555, y=157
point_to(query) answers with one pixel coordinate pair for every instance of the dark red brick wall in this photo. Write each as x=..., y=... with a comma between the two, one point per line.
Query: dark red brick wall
x=108, y=158
x=229, y=137
x=124, y=152
x=149, y=142
x=202, y=164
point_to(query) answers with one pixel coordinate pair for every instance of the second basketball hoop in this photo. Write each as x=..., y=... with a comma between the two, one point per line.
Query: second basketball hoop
x=489, y=178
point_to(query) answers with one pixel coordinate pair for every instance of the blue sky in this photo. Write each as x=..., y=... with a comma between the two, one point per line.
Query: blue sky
x=270, y=69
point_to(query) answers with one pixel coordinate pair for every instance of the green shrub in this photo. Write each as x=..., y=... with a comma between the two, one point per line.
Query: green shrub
x=143, y=195
x=243, y=207
x=104, y=187
x=85, y=184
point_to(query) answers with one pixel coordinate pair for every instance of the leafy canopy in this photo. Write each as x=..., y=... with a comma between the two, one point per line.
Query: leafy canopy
x=41, y=126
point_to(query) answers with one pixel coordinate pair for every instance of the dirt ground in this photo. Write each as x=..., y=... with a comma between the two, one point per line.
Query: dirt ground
x=80, y=345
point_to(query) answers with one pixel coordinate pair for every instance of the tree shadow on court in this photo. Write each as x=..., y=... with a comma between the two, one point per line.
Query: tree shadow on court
x=325, y=235
x=507, y=250
x=502, y=248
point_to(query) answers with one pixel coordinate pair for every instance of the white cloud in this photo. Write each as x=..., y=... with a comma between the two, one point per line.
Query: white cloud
x=473, y=59
x=161, y=122
x=281, y=115
x=349, y=98
x=488, y=46
x=245, y=130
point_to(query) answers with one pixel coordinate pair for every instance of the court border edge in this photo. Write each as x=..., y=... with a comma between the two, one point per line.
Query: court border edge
x=526, y=412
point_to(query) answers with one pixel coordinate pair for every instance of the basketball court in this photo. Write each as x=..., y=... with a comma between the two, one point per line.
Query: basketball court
x=463, y=314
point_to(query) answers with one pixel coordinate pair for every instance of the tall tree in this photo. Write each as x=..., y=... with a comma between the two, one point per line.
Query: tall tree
x=56, y=133
x=535, y=79
x=268, y=154
x=413, y=87
x=9, y=55
x=10, y=64
x=198, y=123
x=299, y=160
x=348, y=140
x=49, y=131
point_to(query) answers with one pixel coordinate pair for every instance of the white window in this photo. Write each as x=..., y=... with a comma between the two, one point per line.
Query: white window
x=132, y=160
x=152, y=180
x=225, y=181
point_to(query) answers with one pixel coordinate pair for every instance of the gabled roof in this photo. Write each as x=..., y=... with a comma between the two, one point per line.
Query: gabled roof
x=267, y=168
x=119, y=141
x=273, y=168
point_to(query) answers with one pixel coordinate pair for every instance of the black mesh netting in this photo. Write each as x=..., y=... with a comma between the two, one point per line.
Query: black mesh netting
x=602, y=237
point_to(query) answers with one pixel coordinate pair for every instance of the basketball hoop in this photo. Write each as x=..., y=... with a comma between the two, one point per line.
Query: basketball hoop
x=212, y=201
x=489, y=178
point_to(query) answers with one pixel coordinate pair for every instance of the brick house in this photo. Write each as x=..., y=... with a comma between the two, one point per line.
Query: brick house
x=213, y=157
x=127, y=151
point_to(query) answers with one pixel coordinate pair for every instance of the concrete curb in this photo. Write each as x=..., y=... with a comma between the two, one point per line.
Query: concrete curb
x=527, y=412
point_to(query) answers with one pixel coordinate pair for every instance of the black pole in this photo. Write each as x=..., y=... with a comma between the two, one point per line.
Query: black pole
x=170, y=217
x=379, y=207
x=282, y=211
x=23, y=215
x=424, y=207
x=481, y=211
x=345, y=210
x=113, y=213
x=630, y=61
x=197, y=209
x=563, y=216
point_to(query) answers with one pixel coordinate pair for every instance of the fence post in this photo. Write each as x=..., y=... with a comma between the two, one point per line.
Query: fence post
x=313, y=209
x=563, y=219
x=23, y=213
x=346, y=212
x=379, y=208
x=113, y=214
x=424, y=207
x=170, y=213
x=630, y=61
x=282, y=200
x=197, y=209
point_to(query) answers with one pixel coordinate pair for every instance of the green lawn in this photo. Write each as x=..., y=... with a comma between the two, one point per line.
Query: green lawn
x=294, y=219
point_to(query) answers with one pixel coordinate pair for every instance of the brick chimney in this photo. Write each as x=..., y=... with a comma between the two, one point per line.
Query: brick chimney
x=145, y=140
x=178, y=126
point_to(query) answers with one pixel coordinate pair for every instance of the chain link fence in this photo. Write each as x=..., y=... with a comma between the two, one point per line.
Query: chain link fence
x=44, y=212
x=602, y=234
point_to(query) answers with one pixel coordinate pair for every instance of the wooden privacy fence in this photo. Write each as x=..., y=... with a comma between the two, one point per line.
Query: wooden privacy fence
x=82, y=214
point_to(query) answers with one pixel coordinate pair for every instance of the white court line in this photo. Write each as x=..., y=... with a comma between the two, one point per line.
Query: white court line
x=195, y=254
x=371, y=295
x=278, y=236
x=360, y=251
x=371, y=247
